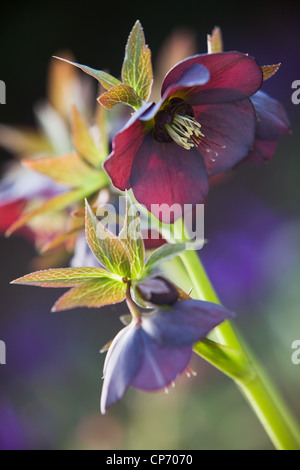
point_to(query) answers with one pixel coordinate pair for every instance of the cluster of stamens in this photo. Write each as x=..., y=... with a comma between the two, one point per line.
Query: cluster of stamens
x=185, y=131
x=176, y=123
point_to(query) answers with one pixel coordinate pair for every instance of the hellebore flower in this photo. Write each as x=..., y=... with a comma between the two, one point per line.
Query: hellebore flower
x=155, y=348
x=272, y=124
x=203, y=125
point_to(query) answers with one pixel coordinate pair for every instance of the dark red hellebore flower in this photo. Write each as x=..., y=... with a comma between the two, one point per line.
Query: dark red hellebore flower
x=203, y=125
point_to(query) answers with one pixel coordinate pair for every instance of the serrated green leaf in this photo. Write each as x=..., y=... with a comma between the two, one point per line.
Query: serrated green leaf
x=130, y=236
x=83, y=141
x=164, y=253
x=92, y=293
x=58, y=203
x=106, y=80
x=68, y=169
x=215, y=41
x=120, y=94
x=107, y=248
x=137, y=67
x=62, y=277
x=269, y=70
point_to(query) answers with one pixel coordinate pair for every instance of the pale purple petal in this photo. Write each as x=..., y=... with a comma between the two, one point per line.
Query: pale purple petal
x=185, y=323
x=121, y=363
x=273, y=122
x=160, y=365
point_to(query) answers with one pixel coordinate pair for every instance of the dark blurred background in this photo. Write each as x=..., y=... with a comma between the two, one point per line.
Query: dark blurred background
x=50, y=387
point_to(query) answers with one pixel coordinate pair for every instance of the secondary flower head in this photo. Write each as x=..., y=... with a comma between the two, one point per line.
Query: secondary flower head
x=154, y=349
x=272, y=124
x=203, y=125
x=272, y=121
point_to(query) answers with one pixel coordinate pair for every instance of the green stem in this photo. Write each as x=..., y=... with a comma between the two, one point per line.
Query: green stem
x=235, y=359
x=255, y=385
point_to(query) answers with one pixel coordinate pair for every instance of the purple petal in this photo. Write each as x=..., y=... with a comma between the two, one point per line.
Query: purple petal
x=231, y=125
x=272, y=118
x=263, y=151
x=125, y=145
x=184, y=323
x=165, y=173
x=160, y=365
x=121, y=363
x=233, y=76
x=190, y=82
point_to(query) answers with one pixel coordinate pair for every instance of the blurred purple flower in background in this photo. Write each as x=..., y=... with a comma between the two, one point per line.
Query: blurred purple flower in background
x=12, y=432
x=235, y=254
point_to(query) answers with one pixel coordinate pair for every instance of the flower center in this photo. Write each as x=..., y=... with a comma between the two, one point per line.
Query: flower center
x=185, y=131
x=176, y=123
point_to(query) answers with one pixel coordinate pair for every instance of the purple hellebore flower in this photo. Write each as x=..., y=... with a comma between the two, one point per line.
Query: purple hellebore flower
x=203, y=125
x=154, y=349
x=272, y=124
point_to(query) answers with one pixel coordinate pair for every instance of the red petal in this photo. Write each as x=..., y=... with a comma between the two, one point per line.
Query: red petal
x=262, y=152
x=168, y=174
x=231, y=125
x=125, y=145
x=233, y=76
x=10, y=212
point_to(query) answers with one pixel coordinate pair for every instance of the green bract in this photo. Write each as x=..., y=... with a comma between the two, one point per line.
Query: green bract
x=123, y=264
x=137, y=75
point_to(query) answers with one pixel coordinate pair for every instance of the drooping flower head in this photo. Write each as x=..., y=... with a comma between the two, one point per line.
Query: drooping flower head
x=203, y=125
x=155, y=348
